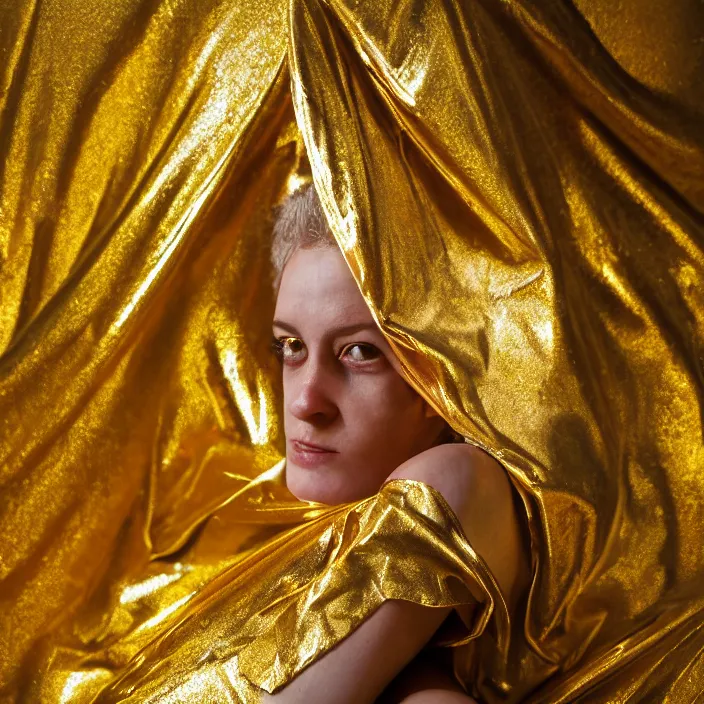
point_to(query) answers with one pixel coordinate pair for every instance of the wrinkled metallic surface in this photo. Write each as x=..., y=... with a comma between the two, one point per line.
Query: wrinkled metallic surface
x=519, y=190
x=338, y=566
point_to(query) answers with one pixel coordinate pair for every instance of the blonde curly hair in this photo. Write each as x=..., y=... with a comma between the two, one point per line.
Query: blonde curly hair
x=299, y=223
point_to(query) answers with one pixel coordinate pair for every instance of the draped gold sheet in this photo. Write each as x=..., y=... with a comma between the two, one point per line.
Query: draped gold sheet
x=518, y=188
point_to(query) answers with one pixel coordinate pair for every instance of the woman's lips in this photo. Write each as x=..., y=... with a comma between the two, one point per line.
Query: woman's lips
x=306, y=454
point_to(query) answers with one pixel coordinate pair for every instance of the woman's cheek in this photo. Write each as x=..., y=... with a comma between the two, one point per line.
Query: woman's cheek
x=379, y=401
x=379, y=405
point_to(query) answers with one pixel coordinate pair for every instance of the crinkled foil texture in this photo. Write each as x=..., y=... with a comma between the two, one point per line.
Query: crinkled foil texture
x=518, y=188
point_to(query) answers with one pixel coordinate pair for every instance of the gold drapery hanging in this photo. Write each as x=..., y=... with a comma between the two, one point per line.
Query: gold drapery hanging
x=519, y=190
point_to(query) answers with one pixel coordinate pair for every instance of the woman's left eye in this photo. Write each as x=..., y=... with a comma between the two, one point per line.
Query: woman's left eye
x=289, y=350
x=361, y=353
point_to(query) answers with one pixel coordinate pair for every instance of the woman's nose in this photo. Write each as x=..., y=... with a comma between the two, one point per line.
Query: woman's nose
x=311, y=399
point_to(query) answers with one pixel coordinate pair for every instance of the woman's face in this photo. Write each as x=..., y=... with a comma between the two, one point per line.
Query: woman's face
x=350, y=418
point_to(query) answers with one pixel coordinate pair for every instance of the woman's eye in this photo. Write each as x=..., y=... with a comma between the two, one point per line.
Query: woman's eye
x=290, y=349
x=361, y=353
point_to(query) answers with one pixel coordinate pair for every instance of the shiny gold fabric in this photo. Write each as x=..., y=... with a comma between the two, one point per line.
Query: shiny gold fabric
x=519, y=190
x=361, y=553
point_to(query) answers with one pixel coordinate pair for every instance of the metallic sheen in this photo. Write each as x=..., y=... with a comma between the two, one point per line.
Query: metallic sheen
x=518, y=187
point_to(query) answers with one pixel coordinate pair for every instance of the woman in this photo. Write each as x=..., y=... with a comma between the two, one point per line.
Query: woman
x=352, y=423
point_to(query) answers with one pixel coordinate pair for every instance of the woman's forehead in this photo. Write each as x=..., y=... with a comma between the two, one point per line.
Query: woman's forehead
x=317, y=289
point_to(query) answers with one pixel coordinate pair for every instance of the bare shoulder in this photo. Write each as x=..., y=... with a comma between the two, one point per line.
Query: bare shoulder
x=462, y=473
x=478, y=490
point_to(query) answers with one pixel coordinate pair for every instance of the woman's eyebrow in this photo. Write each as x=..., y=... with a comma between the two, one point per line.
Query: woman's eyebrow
x=286, y=327
x=334, y=332
x=351, y=329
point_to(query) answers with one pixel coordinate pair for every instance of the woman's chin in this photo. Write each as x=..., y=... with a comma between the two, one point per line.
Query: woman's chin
x=322, y=487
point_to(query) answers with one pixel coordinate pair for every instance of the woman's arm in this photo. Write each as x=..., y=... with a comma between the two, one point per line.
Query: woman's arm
x=480, y=494
x=359, y=668
x=426, y=680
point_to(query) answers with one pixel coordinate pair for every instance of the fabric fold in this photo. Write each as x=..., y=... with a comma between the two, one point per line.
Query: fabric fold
x=277, y=611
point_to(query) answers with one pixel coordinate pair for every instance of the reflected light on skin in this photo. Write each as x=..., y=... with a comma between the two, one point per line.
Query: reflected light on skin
x=349, y=416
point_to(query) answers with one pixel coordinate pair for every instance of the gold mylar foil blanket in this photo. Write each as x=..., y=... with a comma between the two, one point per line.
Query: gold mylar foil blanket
x=518, y=188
